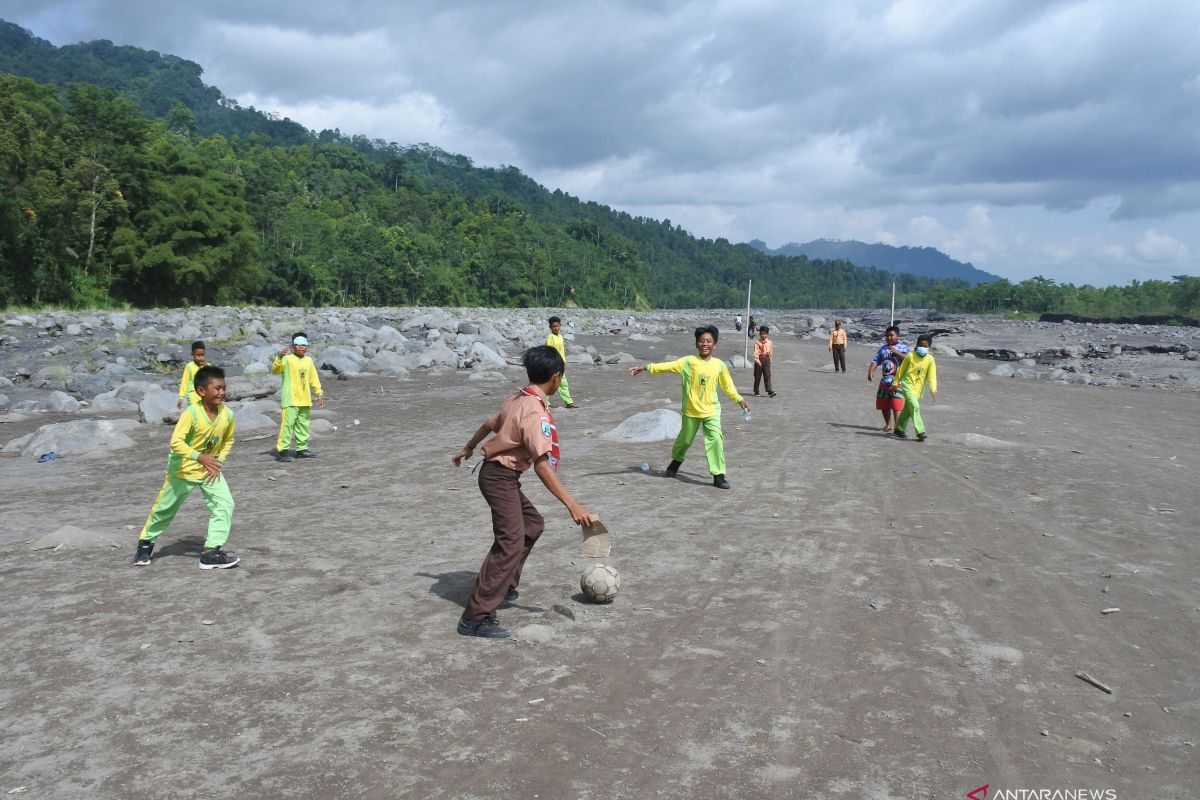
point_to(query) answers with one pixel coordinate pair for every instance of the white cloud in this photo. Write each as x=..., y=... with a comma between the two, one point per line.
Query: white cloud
x=1158, y=247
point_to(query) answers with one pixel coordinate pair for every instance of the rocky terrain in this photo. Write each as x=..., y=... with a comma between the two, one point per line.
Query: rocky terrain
x=857, y=617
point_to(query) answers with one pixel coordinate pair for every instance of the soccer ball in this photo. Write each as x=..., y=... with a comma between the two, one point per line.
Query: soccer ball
x=600, y=583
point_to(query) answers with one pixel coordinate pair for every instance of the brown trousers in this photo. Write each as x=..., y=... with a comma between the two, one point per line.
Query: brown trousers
x=516, y=524
x=839, y=357
x=762, y=372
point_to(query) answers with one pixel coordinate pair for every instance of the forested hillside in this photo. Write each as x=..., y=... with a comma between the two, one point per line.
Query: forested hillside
x=127, y=180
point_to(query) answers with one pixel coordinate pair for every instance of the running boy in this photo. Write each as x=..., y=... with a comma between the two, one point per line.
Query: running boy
x=555, y=340
x=888, y=398
x=700, y=376
x=523, y=435
x=187, y=388
x=299, y=379
x=917, y=367
x=200, y=444
x=764, y=351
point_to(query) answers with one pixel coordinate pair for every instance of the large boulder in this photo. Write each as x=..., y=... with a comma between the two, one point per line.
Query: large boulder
x=385, y=362
x=61, y=402
x=157, y=405
x=342, y=360
x=76, y=436
x=111, y=403
x=136, y=390
x=486, y=356
x=1002, y=371
x=648, y=426
x=240, y=388
x=246, y=417
x=581, y=358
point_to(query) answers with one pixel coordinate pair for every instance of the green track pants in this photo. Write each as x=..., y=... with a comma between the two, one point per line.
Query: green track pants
x=714, y=441
x=174, y=491
x=911, y=411
x=294, y=422
x=564, y=391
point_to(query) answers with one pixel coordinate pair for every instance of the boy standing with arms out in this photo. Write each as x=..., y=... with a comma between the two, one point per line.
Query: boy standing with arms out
x=700, y=375
x=554, y=339
x=917, y=367
x=764, y=350
x=187, y=387
x=523, y=434
x=837, y=346
x=299, y=379
x=888, y=398
x=200, y=444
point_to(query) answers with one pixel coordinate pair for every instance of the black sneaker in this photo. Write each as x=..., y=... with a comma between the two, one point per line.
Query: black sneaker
x=772, y=394
x=217, y=559
x=282, y=456
x=922, y=437
x=720, y=482
x=511, y=595
x=142, y=557
x=486, y=628
x=305, y=454
x=900, y=434
x=673, y=468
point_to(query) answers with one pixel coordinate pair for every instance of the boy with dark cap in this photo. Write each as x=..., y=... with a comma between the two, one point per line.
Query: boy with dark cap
x=523, y=435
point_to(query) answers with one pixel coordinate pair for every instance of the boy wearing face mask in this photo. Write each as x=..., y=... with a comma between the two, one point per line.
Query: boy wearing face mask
x=916, y=368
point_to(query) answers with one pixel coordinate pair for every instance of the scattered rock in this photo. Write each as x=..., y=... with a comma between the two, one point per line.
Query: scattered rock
x=76, y=436
x=1001, y=371
x=648, y=426
x=158, y=404
x=70, y=536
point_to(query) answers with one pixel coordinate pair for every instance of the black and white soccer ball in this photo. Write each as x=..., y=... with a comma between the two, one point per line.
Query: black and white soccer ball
x=600, y=583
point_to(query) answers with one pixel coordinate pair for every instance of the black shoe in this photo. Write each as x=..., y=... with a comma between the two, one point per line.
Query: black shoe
x=720, y=482
x=282, y=456
x=673, y=468
x=922, y=437
x=900, y=434
x=511, y=595
x=142, y=557
x=756, y=394
x=486, y=628
x=771, y=394
x=217, y=559
x=305, y=454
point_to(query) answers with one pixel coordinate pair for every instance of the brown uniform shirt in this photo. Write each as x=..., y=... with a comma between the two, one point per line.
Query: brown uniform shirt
x=522, y=432
x=763, y=350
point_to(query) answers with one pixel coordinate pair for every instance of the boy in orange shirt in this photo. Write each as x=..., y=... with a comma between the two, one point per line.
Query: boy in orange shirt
x=764, y=350
x=523, y=435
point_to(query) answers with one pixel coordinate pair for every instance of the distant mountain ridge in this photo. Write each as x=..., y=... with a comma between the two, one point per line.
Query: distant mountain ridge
x=927, y=262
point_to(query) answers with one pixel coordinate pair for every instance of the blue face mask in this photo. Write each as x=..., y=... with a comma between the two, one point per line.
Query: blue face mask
x=922, y=351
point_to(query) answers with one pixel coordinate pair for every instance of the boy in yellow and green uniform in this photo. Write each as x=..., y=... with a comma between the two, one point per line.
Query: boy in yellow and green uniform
x=299, y=382
x=555, y=340
x=700, y=375
x=200, y=444
x=187, y=385
x=916, y=368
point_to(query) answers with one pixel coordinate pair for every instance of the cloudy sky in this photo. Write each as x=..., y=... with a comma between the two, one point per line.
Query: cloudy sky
x=1025, y=136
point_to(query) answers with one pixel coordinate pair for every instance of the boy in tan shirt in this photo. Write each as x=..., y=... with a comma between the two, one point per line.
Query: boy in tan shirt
x=764, y=350
x=523, y=435
x=837, y=346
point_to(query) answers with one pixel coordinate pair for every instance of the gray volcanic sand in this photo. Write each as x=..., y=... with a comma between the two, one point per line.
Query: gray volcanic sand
x=857, y=617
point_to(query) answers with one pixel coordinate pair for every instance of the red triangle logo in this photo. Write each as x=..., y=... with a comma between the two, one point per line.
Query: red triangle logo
x=980, y=793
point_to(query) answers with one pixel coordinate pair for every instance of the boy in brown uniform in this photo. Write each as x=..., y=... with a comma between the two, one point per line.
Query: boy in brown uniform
x=523, y=435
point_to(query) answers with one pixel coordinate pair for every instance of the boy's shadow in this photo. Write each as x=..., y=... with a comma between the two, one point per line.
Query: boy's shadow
x=190, y=546
x=856, y=427
x=456, y=587
x=654, y=473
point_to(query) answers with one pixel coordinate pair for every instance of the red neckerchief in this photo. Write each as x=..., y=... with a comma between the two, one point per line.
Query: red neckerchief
x=554, y=451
